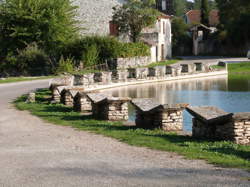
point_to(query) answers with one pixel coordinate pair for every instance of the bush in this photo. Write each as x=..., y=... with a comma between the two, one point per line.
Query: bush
x=105, y=47
x=49, y=23
x=65, y=66
x=33, y=61
x=30, y=61
x=90, y=57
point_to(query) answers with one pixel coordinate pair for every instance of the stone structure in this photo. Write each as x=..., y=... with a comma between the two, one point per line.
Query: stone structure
x=94, y=15
x=109, y=108
x=103, y=77
x=120, y=75
x=214, y=123
x=141, y=73
x=68, y=94
x=84, y=80
x=157, y=71
x=31, y=97
x=67, y=80
x=151, y=114
x=125, y=63
x=82, y=103
x=56, y=93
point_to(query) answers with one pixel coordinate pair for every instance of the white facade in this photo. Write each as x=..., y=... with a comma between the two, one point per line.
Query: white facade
x=159, y=38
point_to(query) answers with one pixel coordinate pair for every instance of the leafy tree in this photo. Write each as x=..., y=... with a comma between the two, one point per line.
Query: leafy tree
x=234, y=20
x=180, y=33
x=180, y=7
x=49, y=23
x=134, y=16
x=204, y=12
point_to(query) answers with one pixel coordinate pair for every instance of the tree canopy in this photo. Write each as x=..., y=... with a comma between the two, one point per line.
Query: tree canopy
x=133, y=16
x=49, y=23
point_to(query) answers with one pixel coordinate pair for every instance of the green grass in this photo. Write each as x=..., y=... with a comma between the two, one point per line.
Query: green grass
x=222, y=153
x=19, y=79
x=162, y=63
x=243, y=67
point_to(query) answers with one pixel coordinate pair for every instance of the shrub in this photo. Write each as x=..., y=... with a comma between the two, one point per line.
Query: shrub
x=65, y=66
x=49, y=23
x=33, y=61
x=90, y=57
x=105, y=47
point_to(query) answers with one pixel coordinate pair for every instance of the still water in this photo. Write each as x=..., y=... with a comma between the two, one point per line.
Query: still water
x=229, y=95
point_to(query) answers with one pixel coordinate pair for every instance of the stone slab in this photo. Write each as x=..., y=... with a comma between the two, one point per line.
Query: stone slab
x=242, y=116
x=146, y=104
x=209, y=114
x=97, y=97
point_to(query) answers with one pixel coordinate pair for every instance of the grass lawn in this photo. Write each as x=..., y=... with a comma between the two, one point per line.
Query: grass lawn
x=162, y=63
x=19, y=79
x=222, y=153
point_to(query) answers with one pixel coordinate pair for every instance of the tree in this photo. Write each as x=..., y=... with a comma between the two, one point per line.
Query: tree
x=48, y=23
x=234, y=20
x=204, y=12
x=180, y=7
x=132, y=17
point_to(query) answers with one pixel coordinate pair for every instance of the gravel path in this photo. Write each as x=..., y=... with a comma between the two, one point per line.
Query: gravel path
x=35, y=153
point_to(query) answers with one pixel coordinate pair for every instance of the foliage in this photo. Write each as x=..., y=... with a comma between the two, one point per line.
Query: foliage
x=204, y=12
x=90, y=57
x=103, y=48
x=29, y=61
x=180, y=7
x=163, y=63
x=234, y=19
x=65, y=66
x=180, y=34
x=221, y=153
x=132, y=17
x=49, y=23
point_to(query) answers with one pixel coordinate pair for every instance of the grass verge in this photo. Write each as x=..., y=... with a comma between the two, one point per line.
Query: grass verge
x=162, y=63
x=19, y=79
x=222, y=153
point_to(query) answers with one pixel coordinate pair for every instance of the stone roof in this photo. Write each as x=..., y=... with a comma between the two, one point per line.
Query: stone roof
x=175, y=106
x=242, y=116
x=97, y=97
x=209, y=114
x=122, y=99
x=146, y=104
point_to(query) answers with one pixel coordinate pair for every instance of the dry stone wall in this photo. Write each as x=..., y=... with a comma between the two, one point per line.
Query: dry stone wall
x=95, y=15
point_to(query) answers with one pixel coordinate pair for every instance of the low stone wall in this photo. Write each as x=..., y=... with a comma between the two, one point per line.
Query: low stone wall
x=157, y=71
x=125, y=63
x=120, y=75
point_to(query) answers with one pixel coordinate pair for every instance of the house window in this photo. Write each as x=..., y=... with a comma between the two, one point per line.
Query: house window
x=164, y=5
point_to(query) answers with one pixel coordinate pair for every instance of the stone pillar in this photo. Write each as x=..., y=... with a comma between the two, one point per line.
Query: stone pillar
x=120, y=75
x=84, y=80
x=103, y=77
x=31, y=97
x=56, y=94
x=141, y=73
x=68, y=94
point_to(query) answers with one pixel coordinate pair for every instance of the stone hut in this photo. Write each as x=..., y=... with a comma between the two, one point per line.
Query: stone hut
x=82, y=103
x=56, y=93
x=103, y=77
x=141, y=73
x=120, y=75
x=213, y=123
x=84, y=80
x=157, y=71
x=68, y=94
x=109, y=108
x=151, y=114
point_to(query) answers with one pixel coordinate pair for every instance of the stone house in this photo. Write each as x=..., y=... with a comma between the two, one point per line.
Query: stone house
x=157, y=36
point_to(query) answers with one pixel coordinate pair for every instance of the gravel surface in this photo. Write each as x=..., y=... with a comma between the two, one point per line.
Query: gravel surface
x=36, y=153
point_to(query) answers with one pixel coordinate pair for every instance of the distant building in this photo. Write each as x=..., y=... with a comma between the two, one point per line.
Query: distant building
x=158, y=37
x=194, y=17
x=165, y=6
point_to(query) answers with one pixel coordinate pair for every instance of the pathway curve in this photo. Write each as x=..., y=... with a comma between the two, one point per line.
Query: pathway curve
x=36, y=153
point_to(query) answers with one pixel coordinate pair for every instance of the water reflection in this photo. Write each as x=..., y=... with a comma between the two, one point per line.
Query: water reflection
x=205, y=91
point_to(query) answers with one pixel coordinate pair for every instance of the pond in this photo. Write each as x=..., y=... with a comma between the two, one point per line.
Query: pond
x=231, y=95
